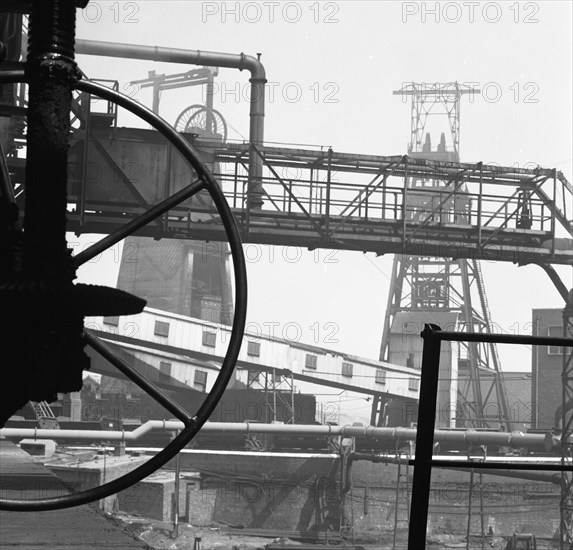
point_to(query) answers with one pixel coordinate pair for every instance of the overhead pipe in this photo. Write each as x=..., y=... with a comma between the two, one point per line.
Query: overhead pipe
x=470, y=437
x=211, y=59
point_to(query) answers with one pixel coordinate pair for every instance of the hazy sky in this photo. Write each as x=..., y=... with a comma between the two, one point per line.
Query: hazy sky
x=333, y=67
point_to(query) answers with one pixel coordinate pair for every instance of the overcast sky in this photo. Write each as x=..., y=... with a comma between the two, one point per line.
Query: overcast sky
x=332, y=67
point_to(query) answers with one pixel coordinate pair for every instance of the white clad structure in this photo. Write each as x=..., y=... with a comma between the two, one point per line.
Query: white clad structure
x=188, y=351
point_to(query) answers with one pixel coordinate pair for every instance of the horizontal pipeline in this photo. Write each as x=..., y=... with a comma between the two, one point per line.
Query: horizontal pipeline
x=470, y=437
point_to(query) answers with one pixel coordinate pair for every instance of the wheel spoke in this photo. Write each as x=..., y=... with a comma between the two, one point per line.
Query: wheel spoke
x=6, y=189
x=137, y=223
x=125, y=368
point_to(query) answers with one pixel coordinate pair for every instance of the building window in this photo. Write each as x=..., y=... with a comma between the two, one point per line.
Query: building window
x=410, y=361
x=310, y=361
x=347, y=369
x=161, y=328
x=463, y=366
x=209, y=338
x=111, y=321
x=414, y=384
x=254, y=349
x=380, y=376
x=164, y=371
x=200, y=381
x=555, y=332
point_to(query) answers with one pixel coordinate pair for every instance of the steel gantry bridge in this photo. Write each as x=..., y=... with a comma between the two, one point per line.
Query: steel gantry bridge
x=320, y=198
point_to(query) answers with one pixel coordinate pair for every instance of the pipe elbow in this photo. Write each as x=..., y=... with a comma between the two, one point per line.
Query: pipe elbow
x=255, y=67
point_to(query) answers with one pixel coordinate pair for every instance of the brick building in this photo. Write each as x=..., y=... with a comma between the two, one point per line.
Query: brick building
x=546, y=367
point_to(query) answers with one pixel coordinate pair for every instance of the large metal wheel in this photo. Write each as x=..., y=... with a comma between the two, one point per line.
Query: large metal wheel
x=199, y=119
x=192, y=423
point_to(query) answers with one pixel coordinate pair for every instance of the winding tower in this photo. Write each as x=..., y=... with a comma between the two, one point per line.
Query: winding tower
x=443, y=290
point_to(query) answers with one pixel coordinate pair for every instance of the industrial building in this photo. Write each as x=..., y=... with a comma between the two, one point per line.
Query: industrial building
x=546, y=370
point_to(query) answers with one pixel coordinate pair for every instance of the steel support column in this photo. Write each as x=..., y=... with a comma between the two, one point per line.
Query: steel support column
x=424, y=438
x=566, y=501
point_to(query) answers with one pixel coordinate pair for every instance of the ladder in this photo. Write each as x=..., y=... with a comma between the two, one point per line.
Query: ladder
x=42, y=409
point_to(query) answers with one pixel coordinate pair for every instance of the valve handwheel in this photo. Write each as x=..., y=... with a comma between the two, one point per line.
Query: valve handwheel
x=43, y=294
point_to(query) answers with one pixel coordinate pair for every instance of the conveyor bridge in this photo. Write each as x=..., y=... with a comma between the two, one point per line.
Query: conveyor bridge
x=320, y=198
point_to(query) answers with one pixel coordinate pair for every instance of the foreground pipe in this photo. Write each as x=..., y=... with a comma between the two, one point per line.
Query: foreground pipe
x=469, y=437
x=211, y=59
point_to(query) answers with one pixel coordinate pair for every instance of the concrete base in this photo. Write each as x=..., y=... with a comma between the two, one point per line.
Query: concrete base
x=153, y=497
x=87, y=472
x=38, y=447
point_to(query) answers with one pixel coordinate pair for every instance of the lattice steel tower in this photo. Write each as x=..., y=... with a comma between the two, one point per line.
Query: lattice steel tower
x=423, y=288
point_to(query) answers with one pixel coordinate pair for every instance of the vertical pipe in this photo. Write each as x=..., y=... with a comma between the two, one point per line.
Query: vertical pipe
x=396, y=502
x=104, y=476
x=292, y=397
x=424, y=438
x=248, y=203
x=352, y=514
x=327, y=206
x=469, y=525
x=176, y=497
x=407, y=482
x=481, y=510
x=343, y=455
x=256, y=135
